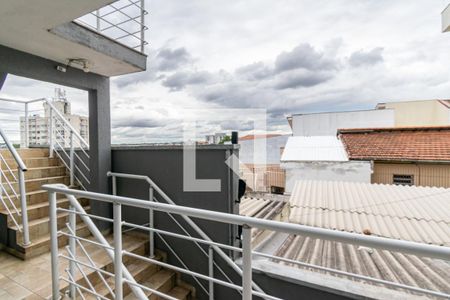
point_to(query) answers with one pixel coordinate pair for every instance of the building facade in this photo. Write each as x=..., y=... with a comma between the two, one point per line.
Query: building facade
x=417, y=156
x=38, y=126
x=418, y=113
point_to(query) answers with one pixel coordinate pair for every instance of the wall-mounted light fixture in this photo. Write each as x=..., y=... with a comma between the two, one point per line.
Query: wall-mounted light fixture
x=79, y=62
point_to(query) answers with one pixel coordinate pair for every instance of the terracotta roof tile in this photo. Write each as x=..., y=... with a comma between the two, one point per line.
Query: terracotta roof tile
x=407, y=143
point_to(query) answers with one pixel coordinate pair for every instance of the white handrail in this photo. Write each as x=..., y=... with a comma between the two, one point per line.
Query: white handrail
x=95, y=232
x=13, y=151
x=414, y=248
x=197, y=229
x=67, y=123
x=439, y=252
x=21, y=168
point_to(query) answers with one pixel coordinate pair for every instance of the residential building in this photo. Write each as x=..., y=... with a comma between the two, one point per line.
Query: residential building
x=408, y=213
x=446, y=19
x=320, y=158
x=409, y=156
x=327, y=123
x=216, y=138
x=418, y=113
x=38, y=126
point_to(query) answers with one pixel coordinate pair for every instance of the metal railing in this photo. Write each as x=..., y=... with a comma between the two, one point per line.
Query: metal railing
x=122, y=21
x=155, y=190
x=117, y=252
x=22, y=196
x=62, y=139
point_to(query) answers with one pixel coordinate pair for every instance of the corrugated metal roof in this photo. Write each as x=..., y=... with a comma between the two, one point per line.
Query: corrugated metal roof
x=420, y=214
x=314, y=148
x=396, y=267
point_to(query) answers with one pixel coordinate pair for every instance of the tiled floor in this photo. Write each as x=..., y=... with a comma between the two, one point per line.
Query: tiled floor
x=20, y=279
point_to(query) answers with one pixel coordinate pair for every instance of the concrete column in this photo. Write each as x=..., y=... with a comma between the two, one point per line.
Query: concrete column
x=100, y=144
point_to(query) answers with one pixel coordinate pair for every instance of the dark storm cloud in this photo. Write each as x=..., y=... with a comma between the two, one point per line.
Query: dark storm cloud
x=294, y=80
x=180, y=80
x=165, y=60
x=137, y=123
x=366, y=58
x=172, y=59
x=304, y=56
x=255, y=71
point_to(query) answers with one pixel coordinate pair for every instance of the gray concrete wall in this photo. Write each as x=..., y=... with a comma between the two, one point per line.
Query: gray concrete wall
x=165, y=166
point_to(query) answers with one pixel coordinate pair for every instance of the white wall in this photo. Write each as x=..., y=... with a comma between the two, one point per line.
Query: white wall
x=329, y=123
x=272, y=154
x=356, y=171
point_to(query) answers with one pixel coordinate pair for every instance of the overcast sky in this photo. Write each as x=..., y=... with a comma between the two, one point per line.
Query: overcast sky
x=279, y=55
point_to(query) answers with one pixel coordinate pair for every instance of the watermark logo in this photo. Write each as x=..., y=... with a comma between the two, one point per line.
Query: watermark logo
x=199, y=123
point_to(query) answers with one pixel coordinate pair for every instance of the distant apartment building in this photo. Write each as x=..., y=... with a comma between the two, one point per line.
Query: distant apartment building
x=216, y=138
x=418, y=113
x=38, y=125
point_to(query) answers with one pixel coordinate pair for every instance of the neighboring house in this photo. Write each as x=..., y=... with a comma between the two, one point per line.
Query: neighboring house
x=327, y=123
x=446, y=19
x=418, y=113
x=320, y=158
x=419, y=214
x=408, y=156
x=38, y=125
x=260, y=169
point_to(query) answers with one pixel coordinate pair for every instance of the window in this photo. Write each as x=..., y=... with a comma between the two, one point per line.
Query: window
x=403, y=179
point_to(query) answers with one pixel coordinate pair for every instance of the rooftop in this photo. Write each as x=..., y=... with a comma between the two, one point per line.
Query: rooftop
x=400, y=143
x=381, y=210
x=314, y=148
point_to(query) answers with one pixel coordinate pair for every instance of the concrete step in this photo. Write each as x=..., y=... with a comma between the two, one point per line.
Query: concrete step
x=41, y=245
x=36, y=184
x=41, y=227
x=32, y=198
x=35, y=162
x=39, y=172
x=40, y=210
x=26, y=153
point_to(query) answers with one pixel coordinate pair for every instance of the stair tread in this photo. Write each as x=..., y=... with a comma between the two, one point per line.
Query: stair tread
x=158, y=279
x=38, y=205
x=179, y=292
x=42, y=178
x=46, y=219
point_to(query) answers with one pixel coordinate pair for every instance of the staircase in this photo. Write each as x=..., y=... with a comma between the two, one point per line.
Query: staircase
x=41, y=170
x=147, y=274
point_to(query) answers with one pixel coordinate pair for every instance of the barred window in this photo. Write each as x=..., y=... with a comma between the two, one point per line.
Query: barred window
x=403, y=179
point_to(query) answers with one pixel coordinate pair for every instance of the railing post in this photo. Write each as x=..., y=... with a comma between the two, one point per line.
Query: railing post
x=118, y=251
x=50, y=132
x=142, y=25
x=23, y=206
x=71, y=162
x=27, y=132
x=246, y=262
x=72, y=247
x=97, y=14
x=114, y=185
x=211, y=272
x=151, y=225
x=54, y=244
